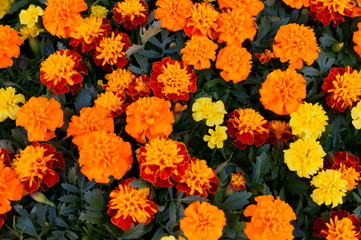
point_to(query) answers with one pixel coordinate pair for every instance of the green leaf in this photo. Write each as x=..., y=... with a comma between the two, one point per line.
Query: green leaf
x=83, y=99
x=26, y=225
x=70, y=188
x=190, y=199
x=92, y=217
x=69, y=199
x=327, y=40
x=236, y=201
x=95, y=200
x=17, y=5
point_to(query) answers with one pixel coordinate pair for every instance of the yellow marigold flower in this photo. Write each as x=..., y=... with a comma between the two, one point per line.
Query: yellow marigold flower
x=199, y=50
x=110, y=101
x=26, y=32
x=5, y=6
x=356, y=115
x=202, y=221
x=9, y=45
x=308, y=121
x=30, y=16
x=62, y=17
x=173, y=14
x=235, y=63
x=131, y=13
x=123, y=215
x=216, y=137
x=103, y=154
x=9, y=103
x=173, y=238
x=235, y=26
x=40, y=117
x=297, y=3
x=304, y=156
x=270, y=219
x=213, y=112
x=119, y=80
x=252, y=7
x=330, y=187
x=296, y=43
x=98, y=11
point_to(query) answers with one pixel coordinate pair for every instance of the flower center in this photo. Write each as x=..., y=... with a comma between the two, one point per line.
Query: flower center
x=131, y=8
x=175, y=79
x=58, y=68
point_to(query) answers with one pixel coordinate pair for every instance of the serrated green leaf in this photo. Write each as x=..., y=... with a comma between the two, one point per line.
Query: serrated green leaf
x=70, y=188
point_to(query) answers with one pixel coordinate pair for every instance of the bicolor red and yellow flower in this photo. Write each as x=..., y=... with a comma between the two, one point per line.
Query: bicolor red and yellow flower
x=131, y=13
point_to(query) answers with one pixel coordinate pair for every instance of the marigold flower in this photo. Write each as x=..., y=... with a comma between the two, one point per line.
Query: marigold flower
x=235, y=26
x=356, y=38
x=304, y=156
x=98, y=11
x=296, y=43
x=89, y=33
x=149, y=117
x=110, y=101
x=40, y=117
x=199, y=50
x=216, y=137
x=173, y=238
x=173, y=14
x=9, y=103
x=30, y=16
x=62, y=17
x=131, y=13
x=26, y=32
x=10, y=189
x=356, y=115
x=5, y=6
x=266, y=56
x=202, y=21
x=111, y=51
x=139, y=87
x=279, y=131
x=297, y=3
x=238, y=182
x=91, y=119
x=248, y=127
x=270, y=219
x=142, y=209
x=308, y=121
x=235, y=63
x=162, y=161
x=103, y=154
x=331, y=10
x=119, y=81
x=4, y=158
x=341, y=225
x=172, y=80
x=283, y=91
x=252, y=7
x=342, y=88
x=35, y=166
x=202, y=221
x=330, y=187
x=213, y=112
x=9, y=45
x=62, y=70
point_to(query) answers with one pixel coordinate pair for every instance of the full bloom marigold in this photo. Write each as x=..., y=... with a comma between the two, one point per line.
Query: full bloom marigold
x=331, y=10
x=9, y=103
x=10, y=189
x=213, y=112
x=9, y=45
x=131, y=13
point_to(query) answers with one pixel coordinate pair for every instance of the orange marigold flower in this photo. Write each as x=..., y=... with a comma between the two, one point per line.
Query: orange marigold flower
x=9, y=45
x=103, y=154
x=10, y=189
x=235, y=26
x=341, y=226
x=238, y=182
x=297, y=3
x=296, y=43
x=357, y=39
x=62, y=17
x=331, y=10
x=198, y=51
x=266, y=56
x=131, y=13
x=139, y=87
x=172, y=80
x=252, y=7
x=162, y=161
x=149, y=117
x=91, y=119
x=111, y=51
x=62, y=70
x=88, y=34
x=283, y=91
x=202, y=221
x=35, y=166
x=248, y=127
x=235, y=63
x=173, y=14
x=119, y=81
x=110, y=101
x=198, y=179
x=142, y=209
x=279, y=131
x=202, y=21
x=342, y=88
x=40, y=117
x=270, y=219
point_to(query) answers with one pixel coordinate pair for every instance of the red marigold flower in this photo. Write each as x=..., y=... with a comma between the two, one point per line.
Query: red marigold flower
x=238, y=182
x=62, y=70
x=35, y=166
x=172, y=80
x=139, y=87
x=4, y=158
x=88, y=34
x=198, y=179
x=341, y=225
x=162, y=161
x=279, y=131
x=331, y=10
x=9, y=45
x=142, y=209
x=266, y=56
x=111, y=51
x=248, y=127
x=342, y=88
x=131, y=13
x=10, y=189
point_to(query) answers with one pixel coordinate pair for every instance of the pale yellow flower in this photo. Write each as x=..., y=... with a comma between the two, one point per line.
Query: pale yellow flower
x=26, y=32
x=213, y=112
x=8, y=103
x=173, y=238
x=99, y=11
x=356, y=115
x=216, y=137
x=30, y=16
x=5, y=6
